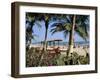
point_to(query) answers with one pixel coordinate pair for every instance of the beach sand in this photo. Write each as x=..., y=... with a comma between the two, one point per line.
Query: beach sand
x=82, y=50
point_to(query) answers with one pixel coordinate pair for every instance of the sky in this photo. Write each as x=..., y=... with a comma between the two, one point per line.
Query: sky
x=40, y=32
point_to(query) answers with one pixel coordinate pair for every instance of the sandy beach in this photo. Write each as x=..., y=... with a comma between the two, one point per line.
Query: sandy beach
x=80, y=50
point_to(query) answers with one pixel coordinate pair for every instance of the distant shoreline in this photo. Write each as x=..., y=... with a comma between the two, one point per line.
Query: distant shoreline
x=65, y=43
x=81, y=50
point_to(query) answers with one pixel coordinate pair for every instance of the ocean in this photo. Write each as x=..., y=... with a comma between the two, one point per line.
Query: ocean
x=80, y=43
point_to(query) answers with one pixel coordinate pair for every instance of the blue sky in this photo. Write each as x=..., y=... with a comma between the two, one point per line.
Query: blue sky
x=40, y=32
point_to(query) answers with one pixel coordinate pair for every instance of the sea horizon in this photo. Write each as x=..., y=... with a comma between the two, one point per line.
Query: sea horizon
x=63, y=43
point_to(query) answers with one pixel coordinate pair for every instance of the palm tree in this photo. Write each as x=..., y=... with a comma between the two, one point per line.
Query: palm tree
x=70, y=24
x=31, y=19
x=47, y=18
x=71, y=35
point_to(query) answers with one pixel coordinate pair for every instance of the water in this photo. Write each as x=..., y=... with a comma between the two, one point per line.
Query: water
x=81, y=43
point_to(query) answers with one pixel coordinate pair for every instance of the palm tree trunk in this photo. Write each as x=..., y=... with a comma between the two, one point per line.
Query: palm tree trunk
x=45, y=40
x=71, y=37
x=45, y=44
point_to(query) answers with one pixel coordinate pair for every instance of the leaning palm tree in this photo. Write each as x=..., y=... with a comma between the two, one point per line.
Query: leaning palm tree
x=71, y=24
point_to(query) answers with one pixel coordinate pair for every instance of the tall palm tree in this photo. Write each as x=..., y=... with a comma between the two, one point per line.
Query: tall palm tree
x=71, y=24
x=71, y=35
x=32, y=18
x=47, y=18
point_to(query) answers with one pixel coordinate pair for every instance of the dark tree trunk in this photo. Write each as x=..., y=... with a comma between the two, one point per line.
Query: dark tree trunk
x=44, y=44
x=45, y=40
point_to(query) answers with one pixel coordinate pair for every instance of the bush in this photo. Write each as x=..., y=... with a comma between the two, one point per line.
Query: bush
x=33, y=58
x=76, y=59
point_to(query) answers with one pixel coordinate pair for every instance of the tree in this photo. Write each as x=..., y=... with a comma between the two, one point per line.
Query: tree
x=70, y=24
x=47, y=18
x=31, y=19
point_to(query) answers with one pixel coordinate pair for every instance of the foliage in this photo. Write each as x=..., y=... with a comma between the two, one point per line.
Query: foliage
x=81, y=25
x=61, y=23
x=57, y=59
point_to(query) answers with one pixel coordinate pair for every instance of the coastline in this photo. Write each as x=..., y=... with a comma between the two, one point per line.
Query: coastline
x=81, y=50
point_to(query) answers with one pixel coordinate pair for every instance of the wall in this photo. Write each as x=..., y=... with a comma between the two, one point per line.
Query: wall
x=5, y=40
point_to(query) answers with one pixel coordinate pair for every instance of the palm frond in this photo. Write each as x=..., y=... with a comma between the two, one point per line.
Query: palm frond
x=53, y=31
x=38, y=24
x=34, y=36
x=82, y=33
x=56, y=24
x=68, y=19
x=65, y=33
x=82, y=26
x=56, y=29
x=67, y=26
